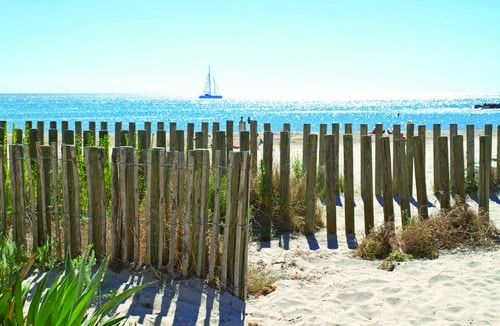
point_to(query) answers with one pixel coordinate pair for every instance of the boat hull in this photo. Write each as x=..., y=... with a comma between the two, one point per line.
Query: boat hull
x=210, y=96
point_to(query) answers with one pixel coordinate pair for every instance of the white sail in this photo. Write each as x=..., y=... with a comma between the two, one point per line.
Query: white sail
x=208, y=86
x=216, y=89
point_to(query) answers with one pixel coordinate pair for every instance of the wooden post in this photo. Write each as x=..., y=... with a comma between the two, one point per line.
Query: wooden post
x=457, y=166
x=68, y=137
x=267, y=186
x=422, y=134
x=160, y=125
x=179, y=139
x=396, y=161
x=418, y=155
x=103, y=126
x=348, y=184
x=220, y=141
x=215, y=130
x=336, y=153
x=244, y=141
x=498, y=154
x=53, y=124
x=363, y=129
x=322, y=152
x=444, y=178
x=87, y=139
x=242, y=126
x=484, y=175
x=92, y=128
x=436, y=133
x=3, y=194
x=229, y=137
x=267, y=126
x=285, y=176
x=230, y=221
x=161, y=138
x=387, y=180
x=186, y=234
x=190, y=136
x=367, y=182
x=71, y=198
x=240, y=247
x=195, y=213
x=471, y=174
x=214, y=239
x=64, y=125
x=488, y=130
x=253, y=147
x=54, y=184
x=153, y=217
x=78, y=132
x=410, y=131
x=378, y=159
x=401, y=164
x=117, y=135
x=147, y=127
x=453, y=133
x=348, y=128
x=53, y=136
x=132, y=134
x=127, y=183
x=17, y=194
x=31, y=202
x=17, y=137
x=330, y=185
x=311, y=163
x=176, y=160
x=116, y=213
x=305, y=137
x=94, y=159
x=172, y=138
x=204, y=130
x=44, y=194
x=199, y=140
x=41, y=132
x=203, y=213
x=287, y=127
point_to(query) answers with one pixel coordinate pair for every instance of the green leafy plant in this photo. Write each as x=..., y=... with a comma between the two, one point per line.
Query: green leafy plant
x=66, y=301
x=11, y=261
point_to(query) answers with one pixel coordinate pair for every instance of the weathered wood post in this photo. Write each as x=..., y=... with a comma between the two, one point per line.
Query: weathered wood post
x=363, y=129
x=199, y=140
x=484, y=175
x=253, y=147
x=3, y=182
x=404, y=200
x=147, y=127
x=132, y=134
x=229, y=137
x=387, y=186
x=285, y=176
x=204, y=130
x=153, y=217
x=172, y=137
x=471, y=174
x=422, y=134
x=330, y=185
x=436, y=133
x=44, y=194
x=367, y=182
x=418, y=155
x=127, y=185
x=40, y=126
x=444, y=178
x=378, y=159
x=94, y=159
x=348, y=184
x=215, y=130
x=311, y=160
x=410, y=131
x=267, y=187
x=161, y=138
x=457, y=166
x=453, y=133
x=54, y=184
x=16, y=156
x=322, y=152
x=214, y=239
x=244, y=141
x=190, y=136
x=71, y=199
x=202, y=220
x=348, y=128
x=336, y=153
x=305, y=136
x=117, y=135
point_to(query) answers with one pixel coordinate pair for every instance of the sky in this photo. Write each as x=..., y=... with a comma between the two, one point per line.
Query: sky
x=314, y=50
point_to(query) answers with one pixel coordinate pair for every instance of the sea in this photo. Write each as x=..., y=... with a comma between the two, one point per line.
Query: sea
x=17, y=108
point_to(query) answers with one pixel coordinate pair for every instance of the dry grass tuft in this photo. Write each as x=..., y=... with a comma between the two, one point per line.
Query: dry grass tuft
x=423, y=238
x=377, y=244
x=260, y=281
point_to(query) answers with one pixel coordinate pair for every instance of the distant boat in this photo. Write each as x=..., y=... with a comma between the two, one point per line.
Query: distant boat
x=487, y=106
x=211, y=90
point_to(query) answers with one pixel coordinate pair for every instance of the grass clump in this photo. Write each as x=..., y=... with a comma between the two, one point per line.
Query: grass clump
x=260, y=281
x=377, y=244
x=424, y=238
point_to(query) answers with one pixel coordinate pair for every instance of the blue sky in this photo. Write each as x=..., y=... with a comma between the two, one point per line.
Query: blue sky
x=257, y=49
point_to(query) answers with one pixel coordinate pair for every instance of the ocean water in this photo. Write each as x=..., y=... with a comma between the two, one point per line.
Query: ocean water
x=16, y=108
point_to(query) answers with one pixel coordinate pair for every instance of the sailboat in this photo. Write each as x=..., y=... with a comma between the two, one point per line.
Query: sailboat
x=211, y=90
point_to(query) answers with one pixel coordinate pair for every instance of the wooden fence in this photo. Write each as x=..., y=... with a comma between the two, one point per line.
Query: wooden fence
x=182, y=204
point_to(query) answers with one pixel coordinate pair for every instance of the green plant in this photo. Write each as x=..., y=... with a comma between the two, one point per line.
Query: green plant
x=82, y=176
x=297, y=168
x=260, y=281
x=65, y=302
x=11, y=261
x=377, y=244
x=222, y=193
x=399, y=256
x=45, y=259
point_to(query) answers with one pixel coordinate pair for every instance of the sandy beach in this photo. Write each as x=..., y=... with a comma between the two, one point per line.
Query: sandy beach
x=322, y=284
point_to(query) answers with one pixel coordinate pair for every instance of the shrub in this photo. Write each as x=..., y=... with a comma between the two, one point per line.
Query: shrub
x=260, y=281
x=416, y=239
x=377, y=244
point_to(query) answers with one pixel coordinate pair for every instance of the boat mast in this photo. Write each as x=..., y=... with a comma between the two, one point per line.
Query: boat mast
x=209, y=81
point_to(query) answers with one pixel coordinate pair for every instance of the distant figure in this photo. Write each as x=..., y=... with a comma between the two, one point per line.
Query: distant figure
x=399, y=114
x=241, y=119
x=248, y=120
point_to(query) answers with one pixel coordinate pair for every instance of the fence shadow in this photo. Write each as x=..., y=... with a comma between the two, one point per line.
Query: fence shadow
x=352, y=242
x=474, y=196
x=338, y=201
x=284, y=240
x=154, y=305
x=332, y=241
x=494, y=197
x=414, y=202
x=380, y=200
x=312, y=242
